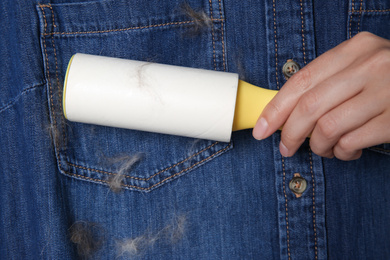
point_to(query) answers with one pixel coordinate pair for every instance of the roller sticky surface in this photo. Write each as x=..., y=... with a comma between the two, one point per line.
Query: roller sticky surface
x=150, y=97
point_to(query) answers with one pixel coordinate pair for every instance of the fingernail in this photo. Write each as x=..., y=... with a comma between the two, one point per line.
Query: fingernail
x=261, y=129
x=283, y=149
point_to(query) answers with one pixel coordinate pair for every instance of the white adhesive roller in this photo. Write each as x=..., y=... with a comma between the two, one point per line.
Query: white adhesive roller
x=150, y=97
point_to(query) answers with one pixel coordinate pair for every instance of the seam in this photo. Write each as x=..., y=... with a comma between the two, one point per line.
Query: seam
x=314, y=206
x=303, y=35
x=379, y=149
x=283, y=165
x=146, y=179
x=164, y=180
x=213, y=35
x=223, y=36
x=57, y=77
x=285, y=199
x=350, y=19
x=370, y=11
x=124, y=29
x=49, y=83
x=360, y=15
x=276, y=46
x=13, y=101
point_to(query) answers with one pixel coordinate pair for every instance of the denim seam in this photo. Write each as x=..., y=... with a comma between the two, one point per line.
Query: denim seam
x=386, y=151
x=314, y=205
x=286, y=205
x=310, y=153
x=222, y=35
x=360, y=15
x=350, y=19
x=213, y=35
x=13, y=101
x=57, y=78
x=123, y=29
x=303, y=35
x=276, y=46
x=162, y=181
x=154, y=175
x=49, y=82
x=283, y=165
x=370, y=11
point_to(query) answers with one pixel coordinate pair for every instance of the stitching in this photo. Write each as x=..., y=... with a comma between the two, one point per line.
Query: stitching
x=303, y=35
x=13, y=101
x=276, y=46
x=379, y=149
x=48, y=77
x=350, y=19
x=360, y=15
x=124, y=29
x=314, y=206
x=57, y=78
x=164, y=180
x=285, y=198
x=213, y=36
x=370, y=11
x=146, y=179
x=222, y=31
x=283, y=166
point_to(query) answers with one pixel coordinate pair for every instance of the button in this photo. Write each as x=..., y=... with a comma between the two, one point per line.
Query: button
x=290, y=68
x=297, y=185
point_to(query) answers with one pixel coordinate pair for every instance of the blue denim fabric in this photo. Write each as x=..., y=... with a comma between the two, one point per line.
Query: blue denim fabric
x=186, y=198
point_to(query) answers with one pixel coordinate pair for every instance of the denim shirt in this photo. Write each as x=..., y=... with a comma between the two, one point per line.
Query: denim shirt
x=179, y=198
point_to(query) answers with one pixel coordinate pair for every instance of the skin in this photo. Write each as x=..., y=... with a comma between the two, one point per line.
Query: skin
x=341, y=99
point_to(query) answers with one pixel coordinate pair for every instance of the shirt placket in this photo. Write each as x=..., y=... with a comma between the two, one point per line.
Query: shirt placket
x=299, y=181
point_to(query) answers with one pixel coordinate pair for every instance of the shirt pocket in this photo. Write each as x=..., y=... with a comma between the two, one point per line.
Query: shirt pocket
x=156, y=31
x=371, y=16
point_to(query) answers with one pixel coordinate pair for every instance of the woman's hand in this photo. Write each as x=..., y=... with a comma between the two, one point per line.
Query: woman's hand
x=341, y=99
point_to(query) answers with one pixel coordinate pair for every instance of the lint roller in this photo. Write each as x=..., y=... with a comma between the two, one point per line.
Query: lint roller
x=160, y=98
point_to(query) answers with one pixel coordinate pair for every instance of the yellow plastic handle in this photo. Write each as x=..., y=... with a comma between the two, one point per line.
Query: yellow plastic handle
x=250, y=102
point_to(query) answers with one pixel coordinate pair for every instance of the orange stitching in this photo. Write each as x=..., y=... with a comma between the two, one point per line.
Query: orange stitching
x=303, y=35
x=154, y=185
x=370, y=11
x=276, y=46
x=222, y=31
x=314, y=205
x=125, y=29
x=146, y=179
x=285, y=198
x=360, y=15
x=350, y=20
x=212, y=33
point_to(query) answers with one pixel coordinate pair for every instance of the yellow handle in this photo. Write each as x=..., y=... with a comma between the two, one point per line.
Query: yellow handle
x=250, y=102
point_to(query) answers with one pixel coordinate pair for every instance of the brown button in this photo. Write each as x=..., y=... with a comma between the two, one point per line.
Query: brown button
x=290, y=68
x=297, y=185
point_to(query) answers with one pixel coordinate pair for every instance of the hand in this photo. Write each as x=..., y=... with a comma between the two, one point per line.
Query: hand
x=341, y=99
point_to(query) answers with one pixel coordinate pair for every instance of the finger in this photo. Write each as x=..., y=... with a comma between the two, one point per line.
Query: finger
x=350, y=144
x=317, y=102
x=350, y=115
x=326, y=65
